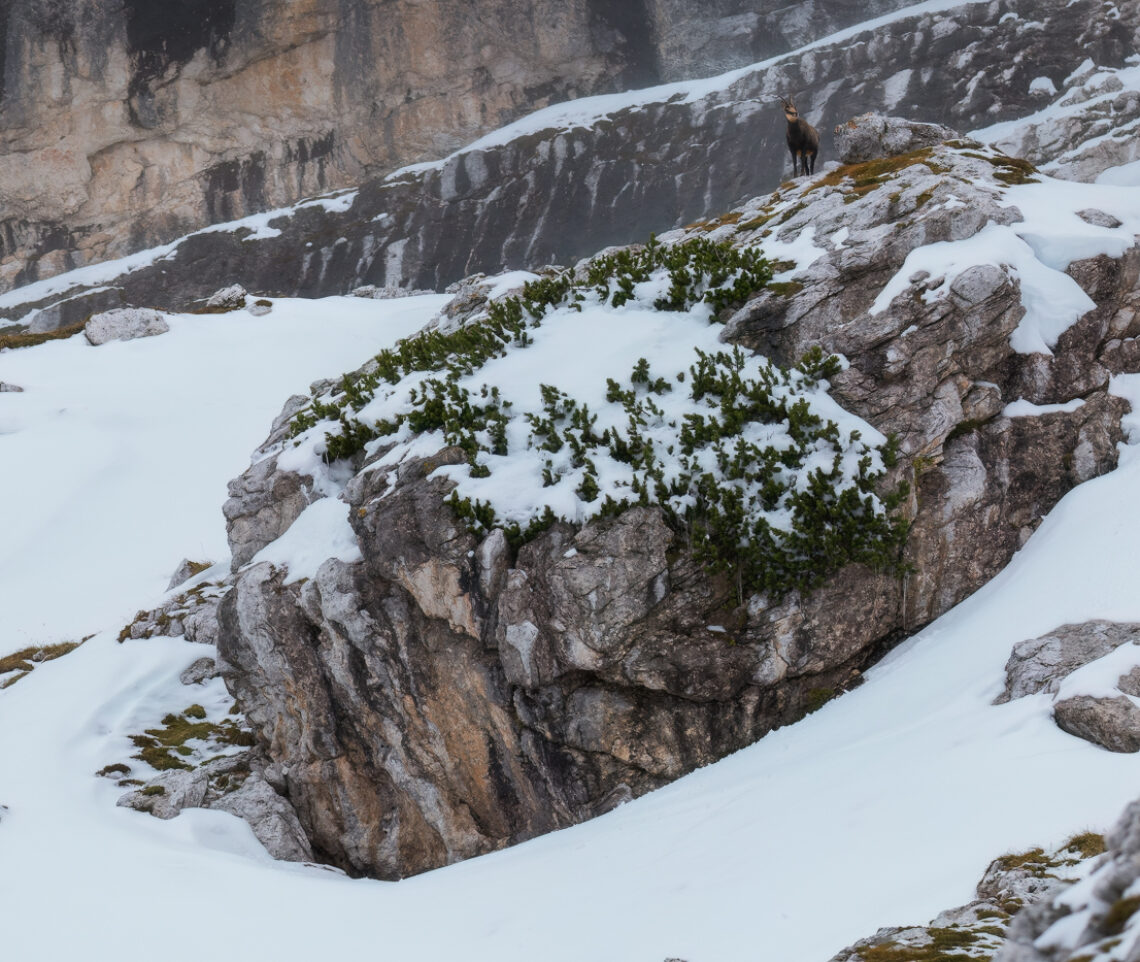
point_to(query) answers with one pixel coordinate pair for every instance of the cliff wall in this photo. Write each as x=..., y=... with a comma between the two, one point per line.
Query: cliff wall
x=570, y=187
x=128, y=123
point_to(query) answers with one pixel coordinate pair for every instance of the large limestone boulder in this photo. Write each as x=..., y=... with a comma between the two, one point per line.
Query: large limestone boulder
x=124, y=324
x=450, y=694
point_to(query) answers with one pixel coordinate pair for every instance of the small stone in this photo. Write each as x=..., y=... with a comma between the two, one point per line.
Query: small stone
x=6, y=388
x=199, y=671
x=1112, y=723
x=1098, y=218
x=185, y=571
x=227, y=299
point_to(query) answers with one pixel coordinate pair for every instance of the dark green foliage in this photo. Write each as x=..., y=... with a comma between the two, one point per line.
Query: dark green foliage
x=699, y=270
x=749, y=508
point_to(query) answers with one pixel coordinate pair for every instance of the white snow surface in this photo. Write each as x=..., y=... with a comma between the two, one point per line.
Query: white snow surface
x=320, y=532
x=114, y=460
x=884, y=807
x=1036, y=250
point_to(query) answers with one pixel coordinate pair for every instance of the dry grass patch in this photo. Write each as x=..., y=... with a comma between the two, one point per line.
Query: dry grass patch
x=31, y=339
x=25, y=660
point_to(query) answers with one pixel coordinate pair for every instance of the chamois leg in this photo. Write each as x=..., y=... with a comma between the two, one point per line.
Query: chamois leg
x=795, y=161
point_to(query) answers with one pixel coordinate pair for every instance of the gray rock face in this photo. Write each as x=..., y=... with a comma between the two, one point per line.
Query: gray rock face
x=1069, y=140
x=199, y=671
x=873, y=135
x=1112, y=723
x=230, y=784
x=937, y=372
x=124, y=324
x=270, y=816
x=192, y=614
x=1089, y=917
x=263, y=503
x=144, y=131
x=448, y=696
x=555, y=195
x=1041, y=664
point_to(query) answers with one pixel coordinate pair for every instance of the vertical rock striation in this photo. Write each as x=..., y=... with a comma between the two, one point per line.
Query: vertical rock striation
x=125, y=124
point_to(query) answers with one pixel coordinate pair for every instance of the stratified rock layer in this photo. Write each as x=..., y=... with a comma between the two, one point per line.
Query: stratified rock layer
x=126, y=124
x=244, y=124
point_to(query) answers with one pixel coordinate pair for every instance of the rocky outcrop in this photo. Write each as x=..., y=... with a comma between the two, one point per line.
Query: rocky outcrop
x=1087, y=123
x=1041, y=664
x=1013, y=885
x=123, y=127
x=873, y=135
x=1109, y=718
x=1093, y=915
x=556, y=194
x=448, y=694
x=234, y=784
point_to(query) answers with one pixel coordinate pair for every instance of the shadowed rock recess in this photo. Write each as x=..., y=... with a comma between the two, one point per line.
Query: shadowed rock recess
x=448, y=694
x=244, y=125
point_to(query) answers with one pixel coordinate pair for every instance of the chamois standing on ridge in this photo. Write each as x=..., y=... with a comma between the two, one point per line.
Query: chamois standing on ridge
x=803, y=139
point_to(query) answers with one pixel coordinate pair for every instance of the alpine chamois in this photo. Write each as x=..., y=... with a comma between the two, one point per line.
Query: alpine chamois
x=803, y=139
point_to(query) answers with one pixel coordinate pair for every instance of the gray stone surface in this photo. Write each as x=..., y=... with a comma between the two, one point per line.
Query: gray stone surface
x=230, y=298
x=1098, y=903
x=234, y=784
x=263, y=503
x=192, y=614
x=1112, y=723
x=185, y=571
x=124, y=324
x=1041, y=664
x=270, y=816
x=871, y=136
x=445, y=697
x=199, y=671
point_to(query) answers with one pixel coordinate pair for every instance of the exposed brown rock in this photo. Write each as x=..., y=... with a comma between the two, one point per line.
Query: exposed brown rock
x=447, y=696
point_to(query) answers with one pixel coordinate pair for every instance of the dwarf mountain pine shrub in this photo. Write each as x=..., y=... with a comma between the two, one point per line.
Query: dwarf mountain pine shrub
x=733, y=451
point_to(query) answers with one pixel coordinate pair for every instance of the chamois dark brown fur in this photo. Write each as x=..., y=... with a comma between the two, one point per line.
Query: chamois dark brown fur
x=803, y=139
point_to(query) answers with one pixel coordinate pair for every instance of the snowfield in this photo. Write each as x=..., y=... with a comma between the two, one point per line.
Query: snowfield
x=884, y=807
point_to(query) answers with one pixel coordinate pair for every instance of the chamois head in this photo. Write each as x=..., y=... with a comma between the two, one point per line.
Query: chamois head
x=790, y=109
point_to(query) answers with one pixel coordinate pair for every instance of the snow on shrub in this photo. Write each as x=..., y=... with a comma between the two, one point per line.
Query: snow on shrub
x=597, y=390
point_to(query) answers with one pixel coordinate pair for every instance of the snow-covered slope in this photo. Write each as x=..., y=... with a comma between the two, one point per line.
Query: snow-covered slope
x=882, y=807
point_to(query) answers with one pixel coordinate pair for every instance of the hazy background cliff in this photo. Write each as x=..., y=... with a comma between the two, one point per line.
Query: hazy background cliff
x=125, y=123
